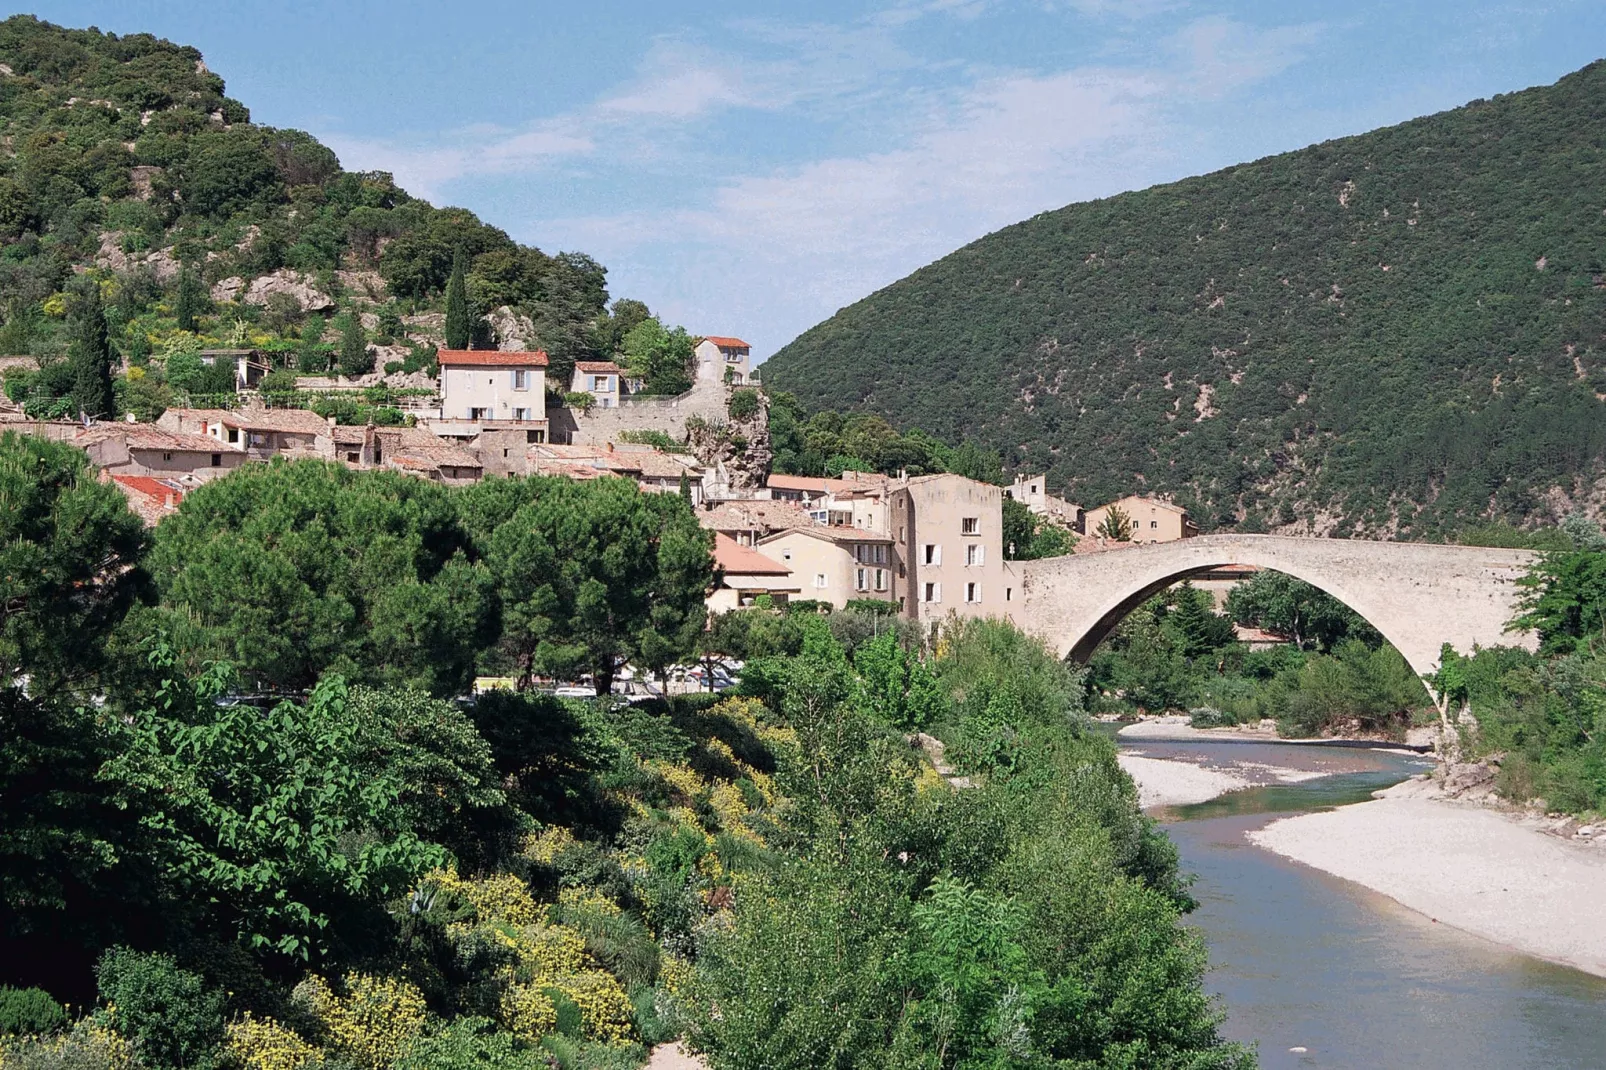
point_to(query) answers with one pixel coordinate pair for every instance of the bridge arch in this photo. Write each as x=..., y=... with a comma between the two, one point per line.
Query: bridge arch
x=1418, y=595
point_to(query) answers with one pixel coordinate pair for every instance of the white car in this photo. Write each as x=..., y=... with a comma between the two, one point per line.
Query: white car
x=574, y=691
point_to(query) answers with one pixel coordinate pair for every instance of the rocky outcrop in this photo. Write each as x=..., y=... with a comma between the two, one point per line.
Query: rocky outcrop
x=738, y=450
x=514, y=332
x=260, y=291
x=161, y=263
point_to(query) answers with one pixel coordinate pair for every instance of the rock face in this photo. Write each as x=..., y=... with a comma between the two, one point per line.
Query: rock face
x=260, y=291
x=738, y=449
x=513, y=331
x=161, y=263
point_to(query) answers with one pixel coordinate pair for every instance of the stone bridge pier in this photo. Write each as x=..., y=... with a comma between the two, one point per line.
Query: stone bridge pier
x=1419, y=595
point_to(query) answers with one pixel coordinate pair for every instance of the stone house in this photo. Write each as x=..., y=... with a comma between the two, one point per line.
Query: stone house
x=721, y=359
x=745, y=574
x=1032, y=492
x=603, y=379
x=480, y=386
x=835, y=565
x=124, y=449
x=1153, y=520
x=747, y=522
x=948, y=533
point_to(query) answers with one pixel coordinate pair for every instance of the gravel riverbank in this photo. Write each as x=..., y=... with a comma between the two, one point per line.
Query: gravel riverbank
x=1477, y=869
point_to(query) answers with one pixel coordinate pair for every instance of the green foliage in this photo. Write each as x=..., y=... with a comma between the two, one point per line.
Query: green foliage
x=1565, y=600
x=661, y=358
x=898, y=688
x=191, y=301
x=658, y=440
x=273, y=819
x=293, y=570
x=1311, y=617
x=470, y=1043
x=579, y=400
x=1026, y=538
x=592, y=575
x=1168, y=332
x=744, y=404
x=459, y=325
x=175, y=1018
x=29, y=1012
x=89, y=356
x=355, y=357
x=1116, y=525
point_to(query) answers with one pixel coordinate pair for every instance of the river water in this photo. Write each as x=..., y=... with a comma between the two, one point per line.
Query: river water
x=1301, y=959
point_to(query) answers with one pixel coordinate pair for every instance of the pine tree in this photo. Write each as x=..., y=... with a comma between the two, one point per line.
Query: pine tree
x=191, y=301
x=90, y=356
x=459, y=328
x=355, y=359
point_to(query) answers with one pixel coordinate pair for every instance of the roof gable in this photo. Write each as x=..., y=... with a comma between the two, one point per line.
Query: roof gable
x=490, y=358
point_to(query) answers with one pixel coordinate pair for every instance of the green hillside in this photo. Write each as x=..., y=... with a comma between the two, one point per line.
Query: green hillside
x=1400, y=332
x=123, y=158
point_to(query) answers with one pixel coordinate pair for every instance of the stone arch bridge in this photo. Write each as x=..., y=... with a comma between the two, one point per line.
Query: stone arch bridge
x=1419, y=595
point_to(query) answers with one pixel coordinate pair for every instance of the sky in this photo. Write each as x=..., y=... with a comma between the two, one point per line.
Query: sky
x=748, y=168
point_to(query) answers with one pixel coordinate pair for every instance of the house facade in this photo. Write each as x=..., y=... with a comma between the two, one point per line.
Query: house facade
x=479, y=386
x=745, y=575
x=1032, y=492
x=1152, y=520
x=603, y=379
x=722, y=359
x=835, y=565
x=948, y=532
x=147, y=450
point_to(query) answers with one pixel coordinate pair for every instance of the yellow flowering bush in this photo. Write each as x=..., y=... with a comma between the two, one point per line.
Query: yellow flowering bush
x=682, y=779
x=501, y=898
x=527, y=1012
x=373, y=1024
x=90, y=1043
x=605, y=1011
x=674, y=973
x=545, y=846
x=589, y=900
x=263, y=1044
x=546, y=951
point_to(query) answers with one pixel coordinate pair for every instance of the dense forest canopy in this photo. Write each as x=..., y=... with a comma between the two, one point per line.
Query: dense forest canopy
x=1400, y=333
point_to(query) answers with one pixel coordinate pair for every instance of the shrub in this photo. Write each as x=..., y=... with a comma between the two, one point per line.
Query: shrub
x=90, y=1046
x=263, y=1044
x=279, y=381
x=29, y=1011
x=1210, y=717
x=373, y=1024
x=579, y=399
x=176, y=1020
x=470, y=1044
x=744, y=404
x=392, y=367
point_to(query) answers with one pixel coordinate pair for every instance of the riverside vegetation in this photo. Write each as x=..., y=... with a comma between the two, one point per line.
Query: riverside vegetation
x=1302, y=341
x=250, y=821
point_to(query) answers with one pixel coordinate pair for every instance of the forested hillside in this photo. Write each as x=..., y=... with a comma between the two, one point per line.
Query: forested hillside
x=1399, y=333
x=123, y=161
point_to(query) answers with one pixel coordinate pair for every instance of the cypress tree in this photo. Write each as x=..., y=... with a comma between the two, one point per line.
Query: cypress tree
x=459, y=328
x=90, y=356
x=355, y=359
x=191, y=301
x=685, y=488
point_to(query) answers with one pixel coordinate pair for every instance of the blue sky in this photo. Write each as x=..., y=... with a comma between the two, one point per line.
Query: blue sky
x=749, y=168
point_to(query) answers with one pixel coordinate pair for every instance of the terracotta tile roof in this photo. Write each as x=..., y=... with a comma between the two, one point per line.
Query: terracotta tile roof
x=754, y=516
x=598, y=367
x=150, y=437
x=151, y=499
x=836, y=534
x=738, y=560
x=1153, y=502
x=490, y=358
x=727, y=343
x=150, y=486
x=849, y=484
x=291, y=421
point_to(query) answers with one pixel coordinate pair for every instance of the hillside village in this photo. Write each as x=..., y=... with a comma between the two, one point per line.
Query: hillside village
x=931, y=545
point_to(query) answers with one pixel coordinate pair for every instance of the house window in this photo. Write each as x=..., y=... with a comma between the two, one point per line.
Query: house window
x=880, y=579
x=477, y=414
x=974, y=553
x=933, y=553
x=933, y=592
x=1034, y=488
x=535, y=436
x=521, y=414
x=217, y=460
x=819, y=580
x=167, y=456
x=521, y=379
x=1009, y=594
x=1154, y=523
x=859, y=581
x=786, y=555
x=234, y=434
x=599, y=382
x=973, y=592
x=970, y=525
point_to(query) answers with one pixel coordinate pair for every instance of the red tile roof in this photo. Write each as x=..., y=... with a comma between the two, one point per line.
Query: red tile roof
x=150, y=437
x=728, y=343
x=738, y=560
x=490, y=358
x=598, y=367
x=150, y=485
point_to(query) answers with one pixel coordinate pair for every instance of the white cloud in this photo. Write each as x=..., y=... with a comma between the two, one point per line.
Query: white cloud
x=1223, y=55
x=428, y=171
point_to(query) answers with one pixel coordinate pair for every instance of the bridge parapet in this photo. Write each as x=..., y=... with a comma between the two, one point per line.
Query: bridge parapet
x=1419, y=595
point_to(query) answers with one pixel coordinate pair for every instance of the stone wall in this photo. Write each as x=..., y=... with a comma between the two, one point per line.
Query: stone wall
x=1419, y=595
x=669, y=415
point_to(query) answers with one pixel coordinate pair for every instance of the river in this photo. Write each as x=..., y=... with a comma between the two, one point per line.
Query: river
x=1303, y=960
